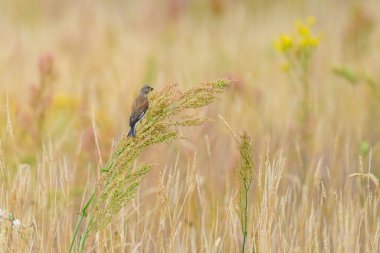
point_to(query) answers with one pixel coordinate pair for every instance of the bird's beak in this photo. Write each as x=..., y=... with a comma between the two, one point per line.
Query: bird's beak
x=151, y=89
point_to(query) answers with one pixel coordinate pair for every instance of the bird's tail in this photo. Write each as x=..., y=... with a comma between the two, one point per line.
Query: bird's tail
x=132, y=131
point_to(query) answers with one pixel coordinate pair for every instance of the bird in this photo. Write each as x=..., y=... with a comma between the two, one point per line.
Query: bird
x=139, y=108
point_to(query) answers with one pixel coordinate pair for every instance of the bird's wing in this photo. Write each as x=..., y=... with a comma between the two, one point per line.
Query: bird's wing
x=139, y=107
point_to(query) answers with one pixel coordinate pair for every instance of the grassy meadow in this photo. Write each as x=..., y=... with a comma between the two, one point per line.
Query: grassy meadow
x=287, y=160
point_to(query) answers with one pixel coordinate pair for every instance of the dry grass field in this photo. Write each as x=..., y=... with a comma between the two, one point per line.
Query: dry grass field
x=302, y=81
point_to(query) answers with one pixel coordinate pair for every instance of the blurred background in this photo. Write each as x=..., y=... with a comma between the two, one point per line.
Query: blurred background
x=69, y=71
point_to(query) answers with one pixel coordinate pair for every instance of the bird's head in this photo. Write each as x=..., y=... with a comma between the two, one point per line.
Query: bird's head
x=146, y=89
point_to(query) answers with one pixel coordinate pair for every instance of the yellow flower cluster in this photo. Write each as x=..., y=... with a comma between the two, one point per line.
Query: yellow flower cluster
x=302, y=39
x=283, y=43
x=64, y=100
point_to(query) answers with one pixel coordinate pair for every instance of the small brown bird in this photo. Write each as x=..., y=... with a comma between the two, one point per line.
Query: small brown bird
x=139, y=108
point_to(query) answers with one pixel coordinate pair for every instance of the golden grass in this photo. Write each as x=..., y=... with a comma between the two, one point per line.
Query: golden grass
x=69, y=72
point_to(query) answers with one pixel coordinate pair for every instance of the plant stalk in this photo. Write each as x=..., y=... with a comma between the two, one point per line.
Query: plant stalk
x=75, y=233
x=84, y=237
x=82, y=215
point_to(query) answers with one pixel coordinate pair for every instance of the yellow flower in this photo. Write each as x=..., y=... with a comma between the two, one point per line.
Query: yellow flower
x=302, y=28
x=283, y=43
x=63, y=100
x=302, y=38
x=308, y=41
x=313, y=41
